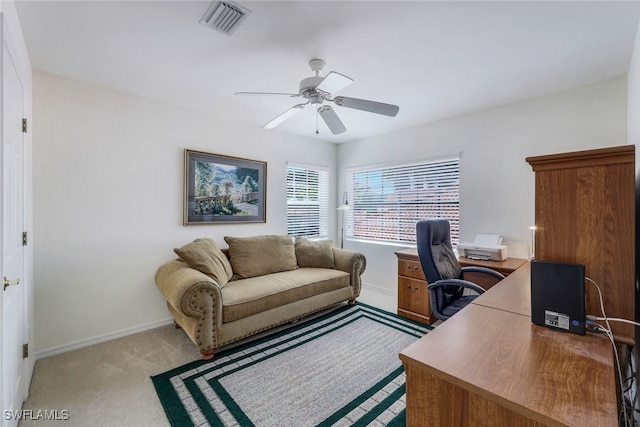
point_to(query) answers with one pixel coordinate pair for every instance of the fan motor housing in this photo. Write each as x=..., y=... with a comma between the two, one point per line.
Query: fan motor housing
x=308, y=85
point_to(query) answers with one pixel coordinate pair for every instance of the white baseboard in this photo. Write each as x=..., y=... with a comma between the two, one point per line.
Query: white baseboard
x=52, y=351
x=379, y=289
x=378, y=296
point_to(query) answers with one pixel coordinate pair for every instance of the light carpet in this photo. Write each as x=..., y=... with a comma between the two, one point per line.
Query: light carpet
x=340, y=369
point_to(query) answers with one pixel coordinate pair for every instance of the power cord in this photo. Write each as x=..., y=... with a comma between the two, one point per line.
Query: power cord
x=631, y=379
x=613, y=319
x=607, y=331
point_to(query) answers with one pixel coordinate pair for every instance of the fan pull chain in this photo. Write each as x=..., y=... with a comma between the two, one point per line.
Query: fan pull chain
x=317, y=114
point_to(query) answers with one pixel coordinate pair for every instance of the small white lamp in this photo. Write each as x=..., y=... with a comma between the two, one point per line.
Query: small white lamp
x=343, y=207
x=533, y=229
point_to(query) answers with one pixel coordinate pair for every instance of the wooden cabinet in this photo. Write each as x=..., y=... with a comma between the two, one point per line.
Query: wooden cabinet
x=413, y=295
x=585, y=214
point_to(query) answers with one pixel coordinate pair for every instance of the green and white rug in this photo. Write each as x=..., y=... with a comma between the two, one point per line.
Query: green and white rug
x=339, y=369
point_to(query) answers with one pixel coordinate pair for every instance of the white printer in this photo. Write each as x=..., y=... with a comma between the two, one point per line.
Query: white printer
x=484, y=247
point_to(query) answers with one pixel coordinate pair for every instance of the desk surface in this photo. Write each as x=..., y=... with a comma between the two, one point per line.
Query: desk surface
x=509, y=264
x=512, y=294
x=492, y=349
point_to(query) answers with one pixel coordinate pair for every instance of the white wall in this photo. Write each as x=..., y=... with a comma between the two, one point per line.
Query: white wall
x=496, y=184
x=108, y=190
x=633, y=110
x=633, y=126
x=108, y=179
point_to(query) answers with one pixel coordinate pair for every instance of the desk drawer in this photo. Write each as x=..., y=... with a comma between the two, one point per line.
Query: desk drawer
x=411, y=269
x=413, y=297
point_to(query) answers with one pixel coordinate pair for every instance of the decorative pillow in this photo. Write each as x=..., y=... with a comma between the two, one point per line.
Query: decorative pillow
x=314, y=253
x=205, y=256
x=260, y=255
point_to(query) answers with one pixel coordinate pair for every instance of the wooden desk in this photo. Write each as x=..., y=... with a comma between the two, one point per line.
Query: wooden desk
x=413, y=296
x=489, y=365
x=505, y=268
x=513, y=295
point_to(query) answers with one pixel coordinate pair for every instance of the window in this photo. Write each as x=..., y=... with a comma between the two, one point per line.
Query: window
x=307, y=201
x=388, y=201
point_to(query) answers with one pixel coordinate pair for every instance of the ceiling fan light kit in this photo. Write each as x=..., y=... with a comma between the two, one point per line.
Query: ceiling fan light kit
x=318, y=89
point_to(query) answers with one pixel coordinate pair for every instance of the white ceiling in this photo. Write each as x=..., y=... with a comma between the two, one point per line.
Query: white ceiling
x=433, y=59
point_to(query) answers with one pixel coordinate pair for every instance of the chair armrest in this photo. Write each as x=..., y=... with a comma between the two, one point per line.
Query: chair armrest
x=351, y=262
x=485, y=270
x=456, y=282
x=189, y=291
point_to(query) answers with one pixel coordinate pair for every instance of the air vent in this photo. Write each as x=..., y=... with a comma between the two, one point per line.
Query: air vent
x=225, y=16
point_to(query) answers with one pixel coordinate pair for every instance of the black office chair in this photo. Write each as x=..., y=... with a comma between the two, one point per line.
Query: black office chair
x=443, y=271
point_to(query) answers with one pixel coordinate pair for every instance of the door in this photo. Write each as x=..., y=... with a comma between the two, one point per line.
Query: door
x=13, y=313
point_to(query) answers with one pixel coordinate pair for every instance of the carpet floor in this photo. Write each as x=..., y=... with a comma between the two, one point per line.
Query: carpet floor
x=339, y=369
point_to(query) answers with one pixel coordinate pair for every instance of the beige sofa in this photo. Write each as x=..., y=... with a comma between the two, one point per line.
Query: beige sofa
x=221, y=296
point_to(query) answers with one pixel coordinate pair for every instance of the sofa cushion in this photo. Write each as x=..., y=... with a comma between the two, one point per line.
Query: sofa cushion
x=243, y=298
x=260, y=255
x=205, y=256
x=311, y=253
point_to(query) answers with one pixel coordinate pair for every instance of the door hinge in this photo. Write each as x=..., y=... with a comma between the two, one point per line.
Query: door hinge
x=25, y=350
x=24, y=125
x=24, y=238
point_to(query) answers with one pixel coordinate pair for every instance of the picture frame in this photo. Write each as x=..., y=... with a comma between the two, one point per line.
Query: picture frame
x=223, y=189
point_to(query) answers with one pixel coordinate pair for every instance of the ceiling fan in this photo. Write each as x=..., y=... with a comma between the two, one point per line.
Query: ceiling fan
x=316, y=90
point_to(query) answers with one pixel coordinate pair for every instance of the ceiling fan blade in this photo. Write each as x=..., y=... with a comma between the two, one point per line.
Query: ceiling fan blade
x=266, y=93
x=331, y=119
x=284, y=116
x=333, y=82
x=370, y=106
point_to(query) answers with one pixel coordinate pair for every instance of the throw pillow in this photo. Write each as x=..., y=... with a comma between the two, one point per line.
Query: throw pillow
x=314, y=253
x=205, y=256
x=260, y=255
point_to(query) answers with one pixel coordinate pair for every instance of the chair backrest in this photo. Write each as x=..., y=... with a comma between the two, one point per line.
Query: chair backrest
x=433, y=238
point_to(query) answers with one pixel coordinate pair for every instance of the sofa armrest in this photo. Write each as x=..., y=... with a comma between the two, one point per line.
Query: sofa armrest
x=351, y=262
x=189, y=291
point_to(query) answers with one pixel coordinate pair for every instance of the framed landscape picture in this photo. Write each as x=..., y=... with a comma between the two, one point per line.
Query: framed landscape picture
x=223, y=189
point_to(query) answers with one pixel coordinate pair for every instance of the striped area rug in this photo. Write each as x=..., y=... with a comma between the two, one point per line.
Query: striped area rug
x=339, y=369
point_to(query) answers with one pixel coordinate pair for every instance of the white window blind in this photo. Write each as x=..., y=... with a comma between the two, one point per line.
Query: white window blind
x=388, y=201
x=307, y=201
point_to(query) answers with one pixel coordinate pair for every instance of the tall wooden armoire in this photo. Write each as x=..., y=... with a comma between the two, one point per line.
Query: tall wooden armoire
x=585, y=214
